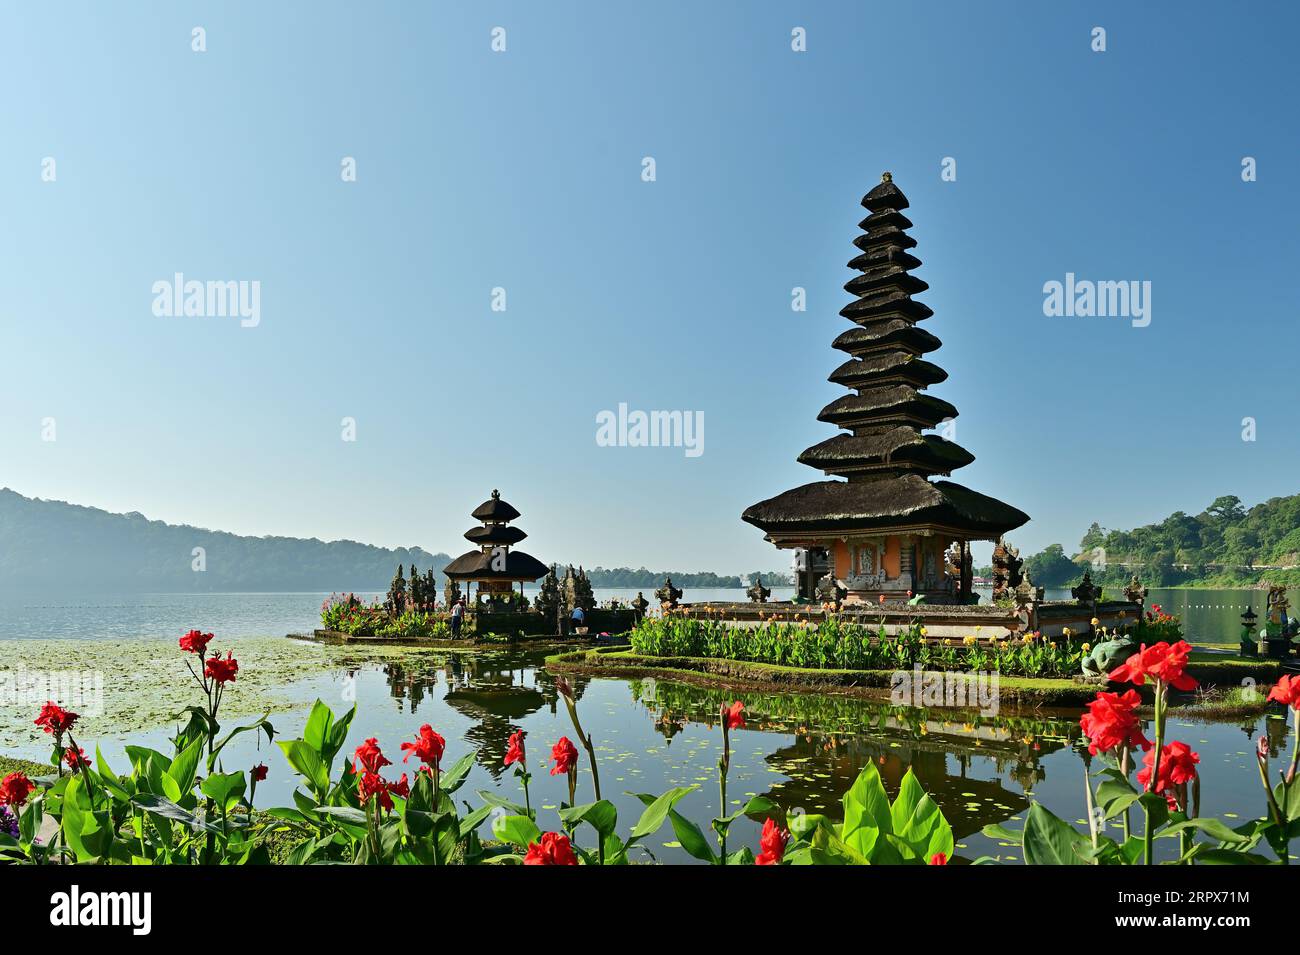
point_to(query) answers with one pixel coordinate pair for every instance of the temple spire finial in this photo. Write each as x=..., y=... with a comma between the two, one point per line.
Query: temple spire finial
x=886, y=177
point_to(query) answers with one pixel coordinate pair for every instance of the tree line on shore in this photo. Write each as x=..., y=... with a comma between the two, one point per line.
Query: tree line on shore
x=1225, y=545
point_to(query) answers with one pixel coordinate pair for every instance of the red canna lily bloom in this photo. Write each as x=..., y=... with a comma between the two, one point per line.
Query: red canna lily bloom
x=1159, y=662
x=195, y=641
x=369, y=758
x=1287, y=691
x=428, y=747
x=55, y=720
x=259, y=772
x=221, y=671
x=565, y=755
x=939, y=858
x=14, y=789
x=554, y=849
x=772, y=843
x=1111, y=722
x=1262, y=748
x=372, y=786
x=733, y=716
x=75, y=758
x=1177, y=768
x=402, y=787
x=515, y=753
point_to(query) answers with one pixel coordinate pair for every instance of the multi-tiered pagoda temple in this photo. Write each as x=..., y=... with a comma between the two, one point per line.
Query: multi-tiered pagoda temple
x=494, y=566
x=887, y=528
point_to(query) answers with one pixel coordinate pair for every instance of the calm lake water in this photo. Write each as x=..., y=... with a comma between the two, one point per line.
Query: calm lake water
x=803, y=750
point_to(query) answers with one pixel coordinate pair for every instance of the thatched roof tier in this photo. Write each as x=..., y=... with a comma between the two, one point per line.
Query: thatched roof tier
x=897, y=332
x=888, y=304
x=902, y=504
x=883, y=255
x=887, y=367
x=495, y=534
x=477, y=565
x=899, y=449
x=494, y=509
x=885, y=196
x=893, y=403
x=885, y=219
x=883, y=277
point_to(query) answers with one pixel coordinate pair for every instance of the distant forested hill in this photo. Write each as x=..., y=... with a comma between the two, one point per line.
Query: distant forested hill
x=1225, y=545
x=641, y=578
x=48, y=545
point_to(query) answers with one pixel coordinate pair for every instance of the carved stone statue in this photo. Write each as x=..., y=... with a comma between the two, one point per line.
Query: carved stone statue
x=830, y=591
x=758, y=593
x=640, y=605
x=1135, y=593
x=668, y=594
x=1006, y=569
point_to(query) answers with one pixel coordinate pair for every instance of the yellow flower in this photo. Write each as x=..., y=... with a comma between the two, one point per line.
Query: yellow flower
x=1095, y=621
x=924, y=631
x=1067, y=631
x=970, y=640
x=1052, y=644
x=1086, y=647
x=947, y=641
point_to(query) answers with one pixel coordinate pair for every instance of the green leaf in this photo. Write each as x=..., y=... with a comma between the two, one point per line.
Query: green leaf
x=309, y=764
x=1049, y=840
x=866, y=813
x=492, y=799
x=178, y=781
x=262, y=724
x=692, y=838
x=1002, y=834
x=657, y=811
x=517, y=830
x=918, y=822
x=454, y=777
x=225, y=789
x=347, y=814
x=156, y=805
x=1211, y=827
x=601, y=816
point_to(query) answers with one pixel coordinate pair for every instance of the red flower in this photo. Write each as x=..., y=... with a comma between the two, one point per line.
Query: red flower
x=428, y=746
x=372, y=786
x=1177, y=768
x=1160, y=662
x=772, y=844
x=1287, y=691
x=55, y=719
x=259, y=772
x=15, y=788
x=1261, y=748
x=554, y=849
x=195, y=641
x=369, y=758
x=221, y=671
x=939, y=858
x=1111, y=722
x=515, y=754
x=882, y=598
x=75, y=758
x=401, y=787
x=733, y=716
x=565, y=755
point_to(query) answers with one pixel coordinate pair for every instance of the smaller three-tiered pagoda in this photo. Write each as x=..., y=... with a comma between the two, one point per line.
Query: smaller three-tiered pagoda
x=888, y=528
x=494, y=566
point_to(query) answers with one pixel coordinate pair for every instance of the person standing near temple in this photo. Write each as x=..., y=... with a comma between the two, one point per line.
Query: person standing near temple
x=579, y=617
x=457, y=617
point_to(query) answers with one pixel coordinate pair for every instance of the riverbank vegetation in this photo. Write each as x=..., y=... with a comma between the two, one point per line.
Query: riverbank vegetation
x=1226, y=545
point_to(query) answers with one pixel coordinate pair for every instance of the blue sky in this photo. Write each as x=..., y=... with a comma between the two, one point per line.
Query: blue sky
x=522, y=170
